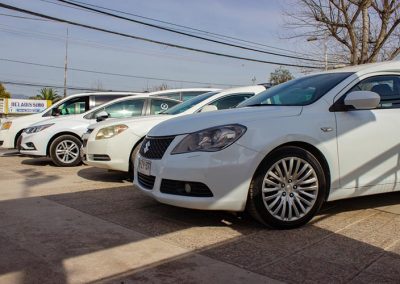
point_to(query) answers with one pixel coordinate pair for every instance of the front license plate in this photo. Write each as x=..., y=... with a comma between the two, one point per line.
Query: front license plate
x=144, y=167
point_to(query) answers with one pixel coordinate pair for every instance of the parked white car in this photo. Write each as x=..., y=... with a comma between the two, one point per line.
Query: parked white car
x=114, y=150
x=318, y=138
x=75, y=104
x=60, y=138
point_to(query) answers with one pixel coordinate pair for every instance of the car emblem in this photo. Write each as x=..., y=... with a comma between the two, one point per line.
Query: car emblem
x=146, y=147
x=164, y=106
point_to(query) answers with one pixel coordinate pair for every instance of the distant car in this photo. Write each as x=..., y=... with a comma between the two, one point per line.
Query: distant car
x=75, y=104
x=286, y=151
x=60, y=138
x=115, y=152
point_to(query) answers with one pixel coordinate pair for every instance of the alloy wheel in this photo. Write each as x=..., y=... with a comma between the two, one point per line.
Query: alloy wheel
x=290, y=189
x=67, y=151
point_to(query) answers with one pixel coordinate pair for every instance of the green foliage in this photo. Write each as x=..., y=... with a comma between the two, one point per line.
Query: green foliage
x=47, y=94
x=279, y=76
x=3, y=93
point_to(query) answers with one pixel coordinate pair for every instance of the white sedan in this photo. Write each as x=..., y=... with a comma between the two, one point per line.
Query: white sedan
x=111, y=144
x=318, y=138
x=60, y=138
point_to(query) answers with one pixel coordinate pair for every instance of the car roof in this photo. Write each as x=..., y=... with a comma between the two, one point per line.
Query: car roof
x=393, y=65
x=183, y=90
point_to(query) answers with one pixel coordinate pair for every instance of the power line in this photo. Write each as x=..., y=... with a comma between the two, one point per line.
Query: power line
x=9, y=7
x=115, y=74
x=22, y=17
x=182, y=26
x=30, y=84
x=187, y=34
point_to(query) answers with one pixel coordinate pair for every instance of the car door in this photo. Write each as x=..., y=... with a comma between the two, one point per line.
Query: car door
x=369, y=140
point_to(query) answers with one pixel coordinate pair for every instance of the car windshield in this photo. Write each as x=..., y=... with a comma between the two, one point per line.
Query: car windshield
x=188, y=104
x=298, y=92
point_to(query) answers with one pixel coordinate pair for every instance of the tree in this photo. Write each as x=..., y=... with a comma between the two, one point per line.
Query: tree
x=47, y=94
x=280, y=75
x=364, y=31
x=3, y=93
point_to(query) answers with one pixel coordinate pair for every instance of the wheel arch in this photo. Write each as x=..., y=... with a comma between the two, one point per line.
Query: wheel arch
x=17, y=136
x=133, y=149
x=58, y=135
x=313, y=150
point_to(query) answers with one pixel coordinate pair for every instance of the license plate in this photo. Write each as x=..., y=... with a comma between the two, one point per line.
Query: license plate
x=144, y=167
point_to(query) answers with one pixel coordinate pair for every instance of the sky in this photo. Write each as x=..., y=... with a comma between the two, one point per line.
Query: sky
x=43, y=42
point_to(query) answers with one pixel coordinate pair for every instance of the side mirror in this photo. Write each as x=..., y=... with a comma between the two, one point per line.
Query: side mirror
x=208, y=108
x=103, y=115
x=362, y=99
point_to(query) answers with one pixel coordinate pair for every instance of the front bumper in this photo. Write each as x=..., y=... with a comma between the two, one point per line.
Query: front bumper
x=226, y=173
x=33, y=144
x=7, y=139
x=117, y=149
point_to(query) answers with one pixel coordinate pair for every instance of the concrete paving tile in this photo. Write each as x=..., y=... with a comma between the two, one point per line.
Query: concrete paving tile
x=368, y=278
x=288, y=240
x=388, y=266
x=343, y=251
x=301, y=269
x=245, y=254
x=381, y=230
x=337, y=220
x=394, y=209
x=25, y=266
x=143, y=222
x=191, y=269
x=201, y=237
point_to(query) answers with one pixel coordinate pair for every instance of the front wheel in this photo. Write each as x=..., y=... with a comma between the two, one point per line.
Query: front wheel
x=65, y=151
x=288, y=188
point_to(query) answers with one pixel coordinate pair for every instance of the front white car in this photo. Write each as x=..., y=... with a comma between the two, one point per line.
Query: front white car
x=114, y=151
x=295, y=146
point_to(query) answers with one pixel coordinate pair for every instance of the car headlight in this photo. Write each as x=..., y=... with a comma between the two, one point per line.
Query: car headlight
x=6, y=125
x=35, y=129
x=110, y=131
x=211, y=139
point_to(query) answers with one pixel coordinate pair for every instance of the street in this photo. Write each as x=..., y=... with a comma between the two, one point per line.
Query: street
x=82, y=224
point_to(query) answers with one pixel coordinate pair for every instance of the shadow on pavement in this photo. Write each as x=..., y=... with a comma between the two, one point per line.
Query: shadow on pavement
x=97, y=174
x=47, y=242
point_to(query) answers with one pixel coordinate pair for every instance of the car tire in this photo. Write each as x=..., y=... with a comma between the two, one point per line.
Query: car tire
x=131, y=174
x=288, y=188
x=65, y=151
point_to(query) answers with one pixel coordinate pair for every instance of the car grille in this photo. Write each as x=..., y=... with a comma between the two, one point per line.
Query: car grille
x=154, y=148
x=185, y=188
x=146, y=181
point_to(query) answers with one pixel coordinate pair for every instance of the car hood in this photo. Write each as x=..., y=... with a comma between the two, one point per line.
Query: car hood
x=195, y=122
x=132, y=121
x=60, y=119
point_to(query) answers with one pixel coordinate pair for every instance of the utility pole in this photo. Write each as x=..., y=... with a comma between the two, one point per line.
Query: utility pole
x=66, y=65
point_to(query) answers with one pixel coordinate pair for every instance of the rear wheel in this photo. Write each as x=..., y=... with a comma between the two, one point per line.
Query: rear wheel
x=288, y=189
x=65, y=151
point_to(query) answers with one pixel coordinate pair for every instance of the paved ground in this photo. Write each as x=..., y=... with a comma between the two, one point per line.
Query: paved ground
x=62, y=225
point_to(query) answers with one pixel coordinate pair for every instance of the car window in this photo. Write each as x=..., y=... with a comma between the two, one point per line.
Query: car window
x=189, y=103
x=182, y=96
x=231, y=101
x=387, y=87
x=73, y=106
x=102, y=99
x=188, y=95
x=127, y=108
x=160, y=105
x=298, y=92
